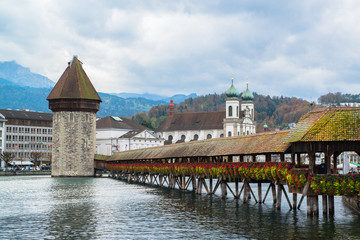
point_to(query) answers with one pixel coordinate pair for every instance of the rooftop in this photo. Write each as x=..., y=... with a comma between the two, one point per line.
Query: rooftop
x=74, y=84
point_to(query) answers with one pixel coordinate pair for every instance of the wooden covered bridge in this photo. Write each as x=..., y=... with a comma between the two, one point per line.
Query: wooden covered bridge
x=273, y=157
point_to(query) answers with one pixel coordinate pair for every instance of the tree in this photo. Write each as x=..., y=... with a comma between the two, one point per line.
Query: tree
x=7, y=157
x=35, y=156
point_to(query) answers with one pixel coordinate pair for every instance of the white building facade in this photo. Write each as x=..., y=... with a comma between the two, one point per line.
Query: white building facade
x=115, y=134
x=25, y=132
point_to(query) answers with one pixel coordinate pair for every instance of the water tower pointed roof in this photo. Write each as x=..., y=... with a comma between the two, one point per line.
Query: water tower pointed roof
x=232, y=92
x=74, y=84
x=74, y=91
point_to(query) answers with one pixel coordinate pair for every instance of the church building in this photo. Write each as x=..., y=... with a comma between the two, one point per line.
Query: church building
x=236, y=120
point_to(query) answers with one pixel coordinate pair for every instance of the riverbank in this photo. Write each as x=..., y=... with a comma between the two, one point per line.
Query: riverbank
x=24, y=173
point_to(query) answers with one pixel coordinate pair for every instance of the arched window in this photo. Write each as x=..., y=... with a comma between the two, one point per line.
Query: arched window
x=229, y=134
x=222, y=135
x=230, y=111
x=208, y=136
x=170, y=138
x=196, y=137
x=237, y=111
x=183, y=137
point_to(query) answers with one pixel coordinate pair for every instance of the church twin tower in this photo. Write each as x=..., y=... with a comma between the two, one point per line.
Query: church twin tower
x=239, y=118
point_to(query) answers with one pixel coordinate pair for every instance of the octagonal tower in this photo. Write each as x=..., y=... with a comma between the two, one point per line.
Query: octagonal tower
x=74, y=102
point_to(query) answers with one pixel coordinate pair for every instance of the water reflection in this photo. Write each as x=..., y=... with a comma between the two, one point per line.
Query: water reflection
x=73, y=208
x=87, y=208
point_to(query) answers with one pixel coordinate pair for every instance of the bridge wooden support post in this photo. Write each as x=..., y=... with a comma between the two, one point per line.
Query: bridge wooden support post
x=324, y=205
x=259, y=192
x=278, y=198
x=151, y=179
x=294, y=201
x=223, y=188
x=273, y=190
x=316, y=205
x=129, y=178
x=183, y=185
x=336, y=154
x=193, y=181
x=170, y=182
x=309, y=205
x=160, y=180
x=245, y=194
x=211, y=185
x=199, y=185
x=236, y=188
x=331, y=205
x=293, y=157
x=298, y=159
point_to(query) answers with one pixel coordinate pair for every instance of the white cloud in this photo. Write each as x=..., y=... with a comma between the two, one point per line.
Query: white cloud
x=299, y=48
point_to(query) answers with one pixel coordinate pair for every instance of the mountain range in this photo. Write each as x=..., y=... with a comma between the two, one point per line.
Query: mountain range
x=23, y=89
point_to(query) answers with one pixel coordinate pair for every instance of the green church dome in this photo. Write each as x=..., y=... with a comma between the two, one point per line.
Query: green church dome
x=247, y=95
x=232, y=92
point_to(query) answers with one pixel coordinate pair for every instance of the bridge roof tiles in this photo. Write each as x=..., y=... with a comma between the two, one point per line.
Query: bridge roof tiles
x=328, y=124
x=272, y=142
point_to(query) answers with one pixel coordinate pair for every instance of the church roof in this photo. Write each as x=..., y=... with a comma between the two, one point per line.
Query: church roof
x=119, y=123
x=193, y=121
x=232, y=92
x=74, y=84
x=247, y=95
x=328, y=124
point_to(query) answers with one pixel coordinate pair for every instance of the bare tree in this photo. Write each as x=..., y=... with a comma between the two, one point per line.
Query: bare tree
x=35, y=156
x=7, y=157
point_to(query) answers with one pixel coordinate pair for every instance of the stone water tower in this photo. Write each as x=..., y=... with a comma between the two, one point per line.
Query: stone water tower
x=74, y=102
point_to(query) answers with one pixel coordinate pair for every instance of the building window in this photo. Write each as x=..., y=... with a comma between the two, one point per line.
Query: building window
x=196, y=137
x=229, y=134
x=170, y=138
x=247, y=132
x=222, y=135
x=230, y=111
x=183, y=137
x=209, y=136
x=237, y=111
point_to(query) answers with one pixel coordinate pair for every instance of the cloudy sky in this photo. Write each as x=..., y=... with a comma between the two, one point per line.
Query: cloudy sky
x=290, y=48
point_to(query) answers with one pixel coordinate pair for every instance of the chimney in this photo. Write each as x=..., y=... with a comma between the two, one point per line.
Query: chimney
x=171, y=106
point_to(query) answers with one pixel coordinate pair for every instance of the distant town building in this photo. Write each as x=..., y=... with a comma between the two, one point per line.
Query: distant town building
x=74, y=102
x=2, y=135
x=24, y=132
x=349, y=104
x=115, y=134
x=237, y=120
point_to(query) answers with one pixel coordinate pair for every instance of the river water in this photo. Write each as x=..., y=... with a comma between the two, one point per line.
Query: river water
x=41, y=207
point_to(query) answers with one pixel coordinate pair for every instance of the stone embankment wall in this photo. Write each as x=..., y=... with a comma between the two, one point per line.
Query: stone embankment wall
x=24, y=173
